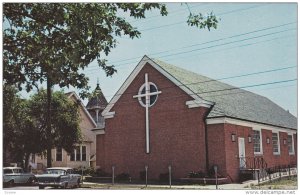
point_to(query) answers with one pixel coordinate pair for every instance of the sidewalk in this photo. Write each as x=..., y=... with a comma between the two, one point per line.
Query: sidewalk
x=117, y=186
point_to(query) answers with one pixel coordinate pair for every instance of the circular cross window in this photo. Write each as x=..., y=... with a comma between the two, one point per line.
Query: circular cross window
x=153, y=98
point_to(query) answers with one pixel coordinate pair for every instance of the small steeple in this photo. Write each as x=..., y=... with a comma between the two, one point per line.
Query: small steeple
x=96, y=105
x=98, y=85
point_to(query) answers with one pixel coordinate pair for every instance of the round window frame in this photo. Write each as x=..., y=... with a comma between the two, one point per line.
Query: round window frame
x=140, y=92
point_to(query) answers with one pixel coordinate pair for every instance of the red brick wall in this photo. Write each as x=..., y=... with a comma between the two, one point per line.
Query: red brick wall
x=216, y=147
x=232, y=150
x=100, y=150
x=176, y=132
x=228, y=156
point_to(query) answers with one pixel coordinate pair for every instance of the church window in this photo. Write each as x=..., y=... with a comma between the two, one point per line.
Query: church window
x=257, y=142
x=290, y=144
x=153, y=98
x=275, y=141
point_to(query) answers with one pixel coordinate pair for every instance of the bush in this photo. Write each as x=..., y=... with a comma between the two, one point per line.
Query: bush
x=198, y=174
x=100, y=173
x=143, y=175
x=123, y=177
x=211, y=172
x=164, y=177
x=85, y=171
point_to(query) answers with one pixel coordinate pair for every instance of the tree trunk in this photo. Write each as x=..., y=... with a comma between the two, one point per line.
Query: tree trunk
x=49, y=156
x=27, y=155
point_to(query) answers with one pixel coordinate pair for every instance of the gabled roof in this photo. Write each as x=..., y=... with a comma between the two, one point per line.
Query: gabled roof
x=72, y=93
x=235, y=103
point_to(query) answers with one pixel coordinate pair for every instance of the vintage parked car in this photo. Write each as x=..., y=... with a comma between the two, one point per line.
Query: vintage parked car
x=63, y=177
x=16, y=175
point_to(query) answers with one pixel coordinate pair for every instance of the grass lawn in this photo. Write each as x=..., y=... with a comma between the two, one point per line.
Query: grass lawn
x=284, y=184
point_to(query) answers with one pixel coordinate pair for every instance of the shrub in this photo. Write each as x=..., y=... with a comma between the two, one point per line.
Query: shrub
x=164, y=177
x=123, y=177
x=198, y=174
x=143, y=175
x=85, y=171
x=100, y=173
x=211, y=172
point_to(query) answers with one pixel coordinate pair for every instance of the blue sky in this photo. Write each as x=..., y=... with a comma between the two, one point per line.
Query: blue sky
x=251, y=37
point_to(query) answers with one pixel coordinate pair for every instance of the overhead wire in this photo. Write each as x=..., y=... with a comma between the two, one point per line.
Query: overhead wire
x=165, y=98
x=209, y=47
x=212, y=41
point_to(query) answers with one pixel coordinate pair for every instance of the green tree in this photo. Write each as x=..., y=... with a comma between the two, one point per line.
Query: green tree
x=20, y=136
x=65, y=130
x=25, y=129
x=52, y=41
x=11, y=108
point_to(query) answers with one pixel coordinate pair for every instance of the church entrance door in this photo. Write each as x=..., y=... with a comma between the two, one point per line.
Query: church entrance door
x=242, y=153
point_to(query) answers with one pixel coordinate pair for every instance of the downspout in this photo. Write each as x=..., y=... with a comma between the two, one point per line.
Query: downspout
x=206, y=139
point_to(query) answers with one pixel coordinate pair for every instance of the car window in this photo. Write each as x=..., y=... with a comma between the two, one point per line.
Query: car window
x=56, y=171
x=69, y=171
x=7, y=171
x=18, y=170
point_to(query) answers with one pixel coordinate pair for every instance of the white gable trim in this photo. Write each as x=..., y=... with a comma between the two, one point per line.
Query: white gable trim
x=197, y=102
x=99, y=131
x=83, y=107
x=254, y=125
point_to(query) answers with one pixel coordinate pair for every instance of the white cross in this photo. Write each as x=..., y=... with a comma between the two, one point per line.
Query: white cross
x=147, y=95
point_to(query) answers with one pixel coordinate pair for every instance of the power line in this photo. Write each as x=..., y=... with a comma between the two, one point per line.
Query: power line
x=203, y=43
x=239, y=46
x=246, y=39
x=230, y=48
x=214, y=80
x=217, y=39
x=213, y=91
x=169, y=13
x=181, y=22
x=208, y=47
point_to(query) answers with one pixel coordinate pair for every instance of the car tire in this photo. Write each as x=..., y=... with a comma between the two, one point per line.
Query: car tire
x=11, y=183
x=78, y=183
x=65, y=186
x=41, y=187
x=31, y=181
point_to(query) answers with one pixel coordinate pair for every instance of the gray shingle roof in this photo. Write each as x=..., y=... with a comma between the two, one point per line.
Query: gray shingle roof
x=97, y=100
x=236, y=103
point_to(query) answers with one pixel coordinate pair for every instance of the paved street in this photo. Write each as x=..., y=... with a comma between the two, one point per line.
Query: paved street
x=31, y=188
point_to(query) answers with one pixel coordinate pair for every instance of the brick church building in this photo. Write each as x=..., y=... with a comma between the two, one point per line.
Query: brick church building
x=165, y=116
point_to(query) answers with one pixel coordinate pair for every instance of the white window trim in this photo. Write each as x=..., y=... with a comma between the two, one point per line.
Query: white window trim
x=75, y=154
x=261, y=145
x=292, y=153
x=278, y=143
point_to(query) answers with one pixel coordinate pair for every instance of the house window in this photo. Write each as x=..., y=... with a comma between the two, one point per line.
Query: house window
x=290, y=142
x=58, y=154
x=78, y=154
x=83, y=153
x=72, y=158
x=33, y=158
x=257, y=142
x=275, y=141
